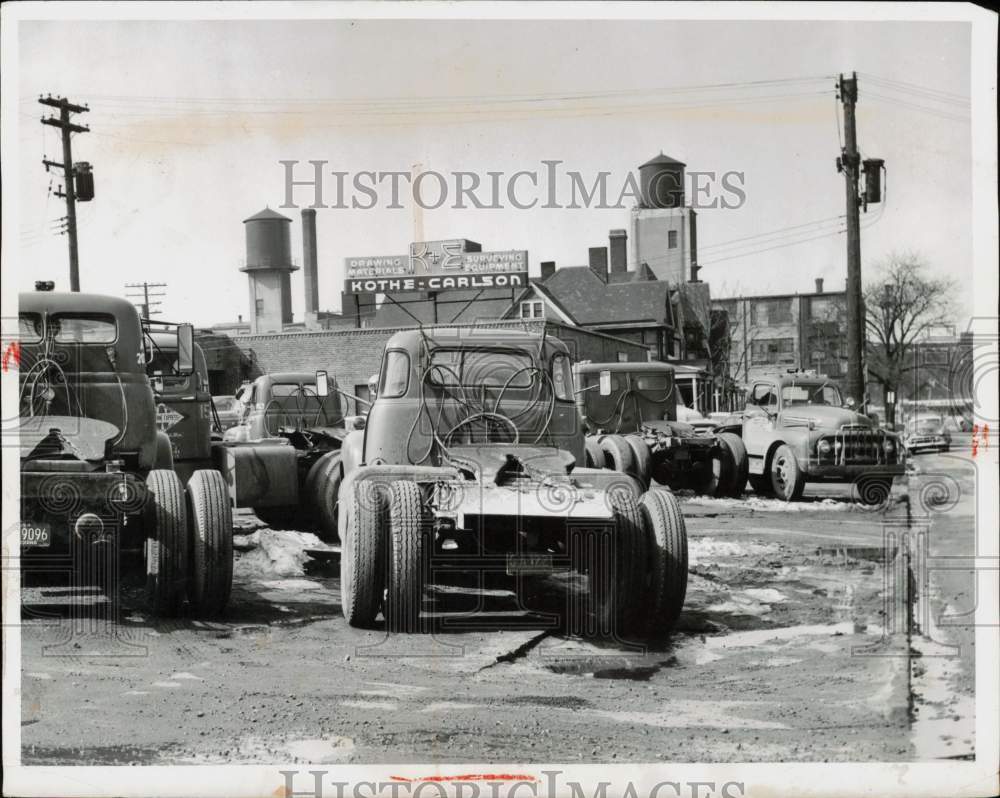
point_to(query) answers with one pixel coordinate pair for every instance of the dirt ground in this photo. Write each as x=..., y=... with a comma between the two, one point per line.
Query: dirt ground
x=788, y=649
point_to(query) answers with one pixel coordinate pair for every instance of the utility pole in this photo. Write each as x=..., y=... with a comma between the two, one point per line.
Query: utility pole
x=67, y=128
x=147, y=306
x=849, y=163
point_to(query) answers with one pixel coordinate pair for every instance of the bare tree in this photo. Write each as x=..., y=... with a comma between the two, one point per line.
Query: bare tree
x=901, y=304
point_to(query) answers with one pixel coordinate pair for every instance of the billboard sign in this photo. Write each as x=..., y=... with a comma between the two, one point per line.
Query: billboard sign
x=454, y=264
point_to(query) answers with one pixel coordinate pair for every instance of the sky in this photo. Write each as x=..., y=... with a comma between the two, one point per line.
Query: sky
x=190, y=120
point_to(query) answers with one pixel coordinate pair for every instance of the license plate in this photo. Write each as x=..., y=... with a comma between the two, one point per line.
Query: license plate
x=529, y=564
x=36, y=534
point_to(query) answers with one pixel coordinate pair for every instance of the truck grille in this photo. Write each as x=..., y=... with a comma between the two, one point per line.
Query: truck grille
x=860, y=447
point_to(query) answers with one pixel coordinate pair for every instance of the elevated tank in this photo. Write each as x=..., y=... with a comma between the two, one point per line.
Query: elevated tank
x=661, y=183
x=269, y=243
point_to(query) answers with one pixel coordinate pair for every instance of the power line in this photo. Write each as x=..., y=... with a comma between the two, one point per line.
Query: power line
x=916, y=88
x=778, y=246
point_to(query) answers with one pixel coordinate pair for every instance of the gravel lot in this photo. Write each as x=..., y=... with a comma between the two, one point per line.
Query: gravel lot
x=784, y=652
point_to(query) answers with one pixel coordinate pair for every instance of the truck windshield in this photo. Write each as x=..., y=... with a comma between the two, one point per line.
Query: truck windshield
x=482, y=367
x=83, y=329
x=819, y=393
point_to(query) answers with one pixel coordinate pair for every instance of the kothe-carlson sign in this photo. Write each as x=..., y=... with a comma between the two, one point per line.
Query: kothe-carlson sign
x=437, y=266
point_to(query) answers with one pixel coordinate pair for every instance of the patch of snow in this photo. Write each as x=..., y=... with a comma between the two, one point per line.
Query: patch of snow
x=34, y=675
x=708, y=550
x=292, y=584
x=386, y=705
x=765, y=594
x=188, y=676
x=687, y=714
x=760, y=504
x=278, y=553
x=319, y=751
x=166, y=684
x=448, y=706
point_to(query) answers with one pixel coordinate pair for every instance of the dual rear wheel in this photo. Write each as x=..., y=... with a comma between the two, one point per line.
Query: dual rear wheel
x=189, y=543
x=636, y=571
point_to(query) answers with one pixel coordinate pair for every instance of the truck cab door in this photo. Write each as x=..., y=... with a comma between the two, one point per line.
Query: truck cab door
x=758, y=423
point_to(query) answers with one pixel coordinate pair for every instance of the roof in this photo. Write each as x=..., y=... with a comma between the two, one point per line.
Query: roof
x=589, y=300
x=74, y=302
x=265, y=214
x=662, y=160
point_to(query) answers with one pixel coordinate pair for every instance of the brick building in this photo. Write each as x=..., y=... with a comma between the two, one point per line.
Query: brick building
x=806, y=331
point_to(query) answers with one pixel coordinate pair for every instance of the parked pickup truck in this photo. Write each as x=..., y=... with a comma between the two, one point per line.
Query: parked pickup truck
x=796, y=429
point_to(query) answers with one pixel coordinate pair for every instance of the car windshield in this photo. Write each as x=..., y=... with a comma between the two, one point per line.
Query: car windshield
x=811, y=393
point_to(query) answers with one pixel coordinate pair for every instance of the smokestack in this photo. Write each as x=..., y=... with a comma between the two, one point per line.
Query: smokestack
x=819, y=285
x=618, y=239
x=599, y=262
x=309, y=272
x=548, y=269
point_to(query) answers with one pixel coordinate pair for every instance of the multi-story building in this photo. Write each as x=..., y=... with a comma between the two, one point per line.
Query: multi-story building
x=805, y=331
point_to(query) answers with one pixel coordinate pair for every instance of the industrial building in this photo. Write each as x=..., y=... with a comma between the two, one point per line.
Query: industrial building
x=805, y=331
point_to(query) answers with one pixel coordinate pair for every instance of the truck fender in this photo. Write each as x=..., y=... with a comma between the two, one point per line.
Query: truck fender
x=604, y=479
x=385, y=474
x=352, y=450
x=259, y=474
x=164, y=458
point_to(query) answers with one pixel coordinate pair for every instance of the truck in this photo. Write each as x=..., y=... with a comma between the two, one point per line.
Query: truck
x=797, y=428
x=97, y=484
x=473, y=459
x=629, y=413
x=302, y=413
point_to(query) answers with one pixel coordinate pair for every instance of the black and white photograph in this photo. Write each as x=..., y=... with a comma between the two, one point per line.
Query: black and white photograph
x=491, y=399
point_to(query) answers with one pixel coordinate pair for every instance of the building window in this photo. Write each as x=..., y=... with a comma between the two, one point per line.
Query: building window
x=259, y=307
x=671, y=239
x=623, y=357
x=768, y=312
x=772, y=352
x=533, y=309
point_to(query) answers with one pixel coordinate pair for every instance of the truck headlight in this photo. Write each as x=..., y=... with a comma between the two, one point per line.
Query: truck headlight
x=823, y=447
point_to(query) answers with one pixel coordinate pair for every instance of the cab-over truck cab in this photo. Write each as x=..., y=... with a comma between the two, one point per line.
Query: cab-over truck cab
x=473, y=458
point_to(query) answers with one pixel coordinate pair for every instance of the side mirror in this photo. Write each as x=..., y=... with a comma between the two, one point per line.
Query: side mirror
x=322, y=384
x=849, y=402
x=185, y=349
x=372, y=386
x=605, y=383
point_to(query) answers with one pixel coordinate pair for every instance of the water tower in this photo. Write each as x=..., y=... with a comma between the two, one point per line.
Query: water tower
x=661, y=183
x=269, y=266
x=663, y=232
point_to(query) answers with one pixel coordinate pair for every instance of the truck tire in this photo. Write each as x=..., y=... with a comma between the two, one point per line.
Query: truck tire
x=362, y=556
x=787, y=478
x=667, y=561
x=211, y=517
x=595, y=455
x=404, y=593
x=741, y=464
x=618, y=454
x=166, y=531
x=614, y=566
x=643, y=458
x=715, y=475
x=322, y=489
